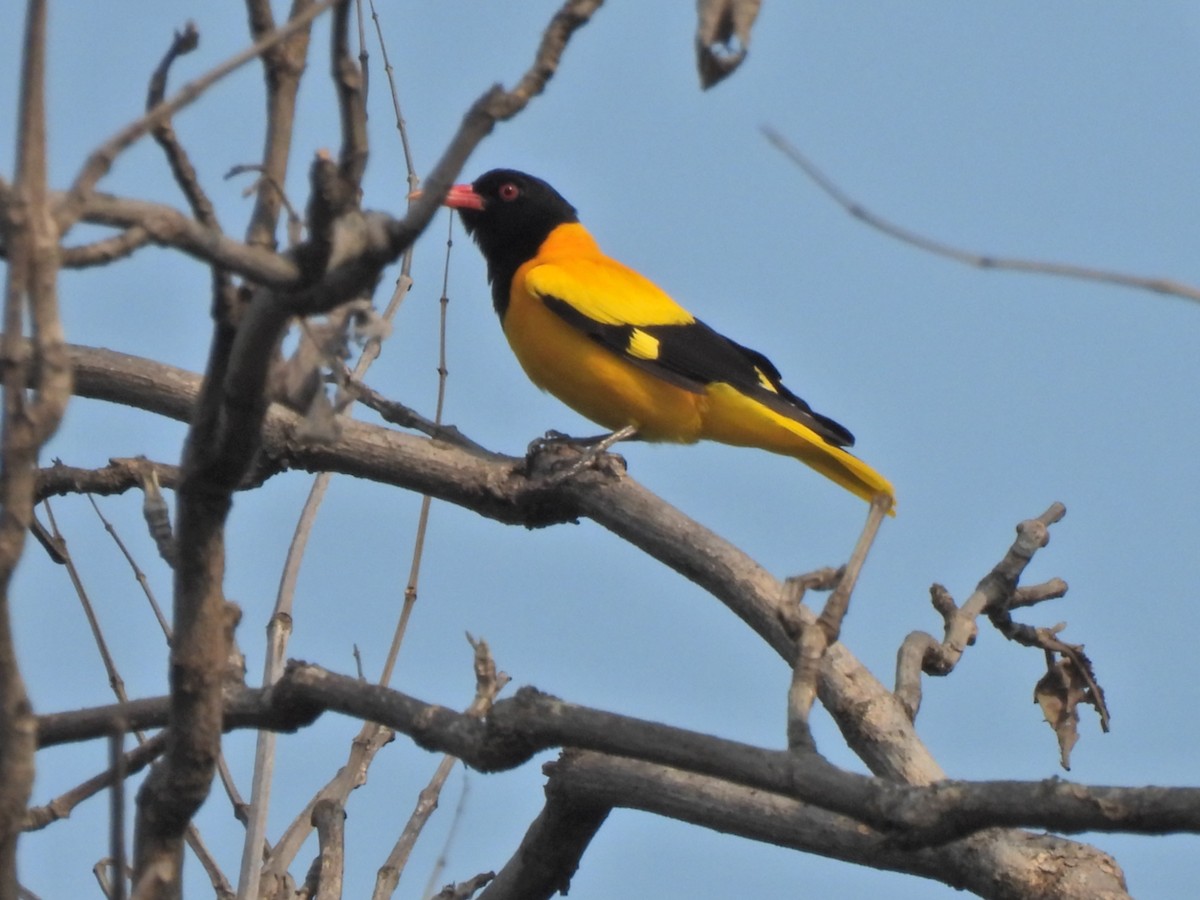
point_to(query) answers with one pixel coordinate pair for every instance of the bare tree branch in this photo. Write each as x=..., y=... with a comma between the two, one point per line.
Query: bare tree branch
x=329, y=819
x=584, y=783
x=517, y=729
x=814, y=640
x=995, y=596
x=976, y=260
x=29, y=419
x=168, y=227
x=348, y=80
x=283, y=66
x=920, y=652
x=96, y=166
x=549, y=854
x=164, y=133
x=488, y=684
x=116, y=478
x=106, y=250
x=62, y=805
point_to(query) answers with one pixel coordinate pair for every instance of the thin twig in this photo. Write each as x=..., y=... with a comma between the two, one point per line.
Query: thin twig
x=64, y=804
x=439, y=864
x=836, y=607
x=164, y=133
x=231, y=791
x=414, y=571
x=348, y=82
x=224, y=296
x=488, y=684
x=110, y=667
x=116, y=815
x=815, y=640
x=192, y=835
x=923, y=653
x=370, y=739
x=102, y=158
x=106, y=250
x=401, y=127
x=138, y=574
x=405, y=417
x=283, y=67
x=279, y=629
x=295, y=225
x=967, y=257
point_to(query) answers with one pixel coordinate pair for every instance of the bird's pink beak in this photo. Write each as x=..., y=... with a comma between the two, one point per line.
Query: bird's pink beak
x=463, y=196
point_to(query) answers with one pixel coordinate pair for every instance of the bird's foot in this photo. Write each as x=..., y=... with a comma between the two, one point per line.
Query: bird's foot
x=554, y=438
x=595, y=447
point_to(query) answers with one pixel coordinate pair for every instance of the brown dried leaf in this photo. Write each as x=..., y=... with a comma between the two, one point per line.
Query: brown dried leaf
x=320, y=424
x=296, y=381
x=157, y=515
x=722, y=37
x=1059, y=693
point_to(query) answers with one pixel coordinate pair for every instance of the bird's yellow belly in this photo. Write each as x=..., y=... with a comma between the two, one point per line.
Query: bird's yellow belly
x=595, y=382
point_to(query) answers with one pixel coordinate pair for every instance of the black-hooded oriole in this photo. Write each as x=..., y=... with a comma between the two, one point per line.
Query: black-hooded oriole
x=614, y=347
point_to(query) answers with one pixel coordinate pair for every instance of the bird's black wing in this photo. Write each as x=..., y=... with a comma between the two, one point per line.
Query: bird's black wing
x=693, y=355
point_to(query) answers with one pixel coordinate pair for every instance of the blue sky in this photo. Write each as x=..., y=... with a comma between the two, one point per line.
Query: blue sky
x=1064, y=133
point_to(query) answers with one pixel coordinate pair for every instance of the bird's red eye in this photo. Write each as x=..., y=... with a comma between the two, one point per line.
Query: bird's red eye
x=509, y=191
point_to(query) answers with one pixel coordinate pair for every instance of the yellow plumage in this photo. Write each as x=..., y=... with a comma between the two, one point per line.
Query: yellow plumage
x=617, y=349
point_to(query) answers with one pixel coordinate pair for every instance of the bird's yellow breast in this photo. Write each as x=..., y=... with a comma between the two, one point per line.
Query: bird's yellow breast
x=586, y=376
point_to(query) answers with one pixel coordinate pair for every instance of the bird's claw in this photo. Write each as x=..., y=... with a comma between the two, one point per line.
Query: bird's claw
x=593, y=449
x=549, y=439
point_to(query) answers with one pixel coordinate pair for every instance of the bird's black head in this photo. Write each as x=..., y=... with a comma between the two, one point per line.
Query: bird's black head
x=509, y=214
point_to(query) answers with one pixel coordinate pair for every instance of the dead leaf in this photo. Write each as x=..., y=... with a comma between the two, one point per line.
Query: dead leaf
x=1059, y=693
x=722, y=37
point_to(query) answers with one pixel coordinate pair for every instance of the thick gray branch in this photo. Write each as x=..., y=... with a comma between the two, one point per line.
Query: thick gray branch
x=518, y=728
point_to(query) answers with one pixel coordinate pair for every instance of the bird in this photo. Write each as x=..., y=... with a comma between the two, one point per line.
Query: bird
x=616, y=348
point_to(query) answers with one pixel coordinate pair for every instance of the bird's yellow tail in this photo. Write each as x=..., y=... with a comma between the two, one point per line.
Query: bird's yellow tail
x=843, y=468
x=734, y=418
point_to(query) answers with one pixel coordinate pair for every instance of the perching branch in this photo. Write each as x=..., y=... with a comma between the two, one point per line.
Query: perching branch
x=497, y=487
x=584, y=786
